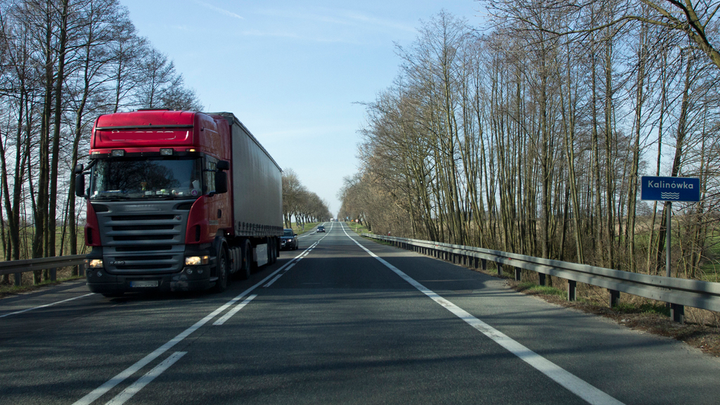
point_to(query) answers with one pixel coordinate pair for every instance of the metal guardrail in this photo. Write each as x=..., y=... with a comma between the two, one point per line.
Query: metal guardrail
x=675, y=291
x=17, y=267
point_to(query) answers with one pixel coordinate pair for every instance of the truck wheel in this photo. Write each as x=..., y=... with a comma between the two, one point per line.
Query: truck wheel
x=276, y=250
x=222, y=273
x=247, y=260
x=272, y=251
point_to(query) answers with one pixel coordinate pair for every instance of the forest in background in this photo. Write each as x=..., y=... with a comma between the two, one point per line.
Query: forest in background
x=530, y=135
x=299, y=202
x=63, y=63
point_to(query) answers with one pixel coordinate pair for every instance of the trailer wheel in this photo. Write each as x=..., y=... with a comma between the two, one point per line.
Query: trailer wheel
x=272, y=254
x=222, y=273
x=276, y=249
x=247, y=260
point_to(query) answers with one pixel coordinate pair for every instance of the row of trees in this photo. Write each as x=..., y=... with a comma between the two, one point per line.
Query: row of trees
x=300, y=203
x=531, y=136
x=63, y=63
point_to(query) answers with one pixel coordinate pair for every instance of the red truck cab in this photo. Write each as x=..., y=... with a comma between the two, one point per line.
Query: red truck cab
x=159, y=202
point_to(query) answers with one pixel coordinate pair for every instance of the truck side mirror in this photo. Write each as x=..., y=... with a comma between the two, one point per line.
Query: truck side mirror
x=80, y=185
x=221, y=181
x=221, y=178
x=79, y=181
x=223, y=165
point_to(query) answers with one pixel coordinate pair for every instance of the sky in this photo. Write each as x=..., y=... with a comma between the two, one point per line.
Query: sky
x=296, y=73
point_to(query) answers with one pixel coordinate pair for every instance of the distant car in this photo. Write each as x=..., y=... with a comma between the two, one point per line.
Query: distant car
x=289, y=240
x=320, y=229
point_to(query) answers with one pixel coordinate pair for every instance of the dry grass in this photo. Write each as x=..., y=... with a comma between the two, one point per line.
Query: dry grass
x=26, y=285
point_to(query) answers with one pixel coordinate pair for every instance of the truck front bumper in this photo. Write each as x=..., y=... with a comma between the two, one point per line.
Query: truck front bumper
x=196, y=278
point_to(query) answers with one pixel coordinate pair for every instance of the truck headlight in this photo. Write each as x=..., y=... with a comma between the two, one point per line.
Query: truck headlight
x=95, y=264
x=196, y=260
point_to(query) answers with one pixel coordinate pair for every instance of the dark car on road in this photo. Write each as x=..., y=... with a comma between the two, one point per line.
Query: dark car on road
x=320, y=229
x=289, y=240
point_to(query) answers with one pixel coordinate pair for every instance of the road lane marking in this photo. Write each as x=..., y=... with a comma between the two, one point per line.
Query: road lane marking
x=297, y=259
x=274, y=280
x=46, y=305
x=563, y=377
x=100, y=391
x=123, y=375
x=133, y=389
x=233, y=311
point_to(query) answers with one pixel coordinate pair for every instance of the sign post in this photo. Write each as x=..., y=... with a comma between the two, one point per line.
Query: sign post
x=669, y=189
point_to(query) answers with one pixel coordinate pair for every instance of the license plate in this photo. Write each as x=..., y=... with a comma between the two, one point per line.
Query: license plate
x=144, y=284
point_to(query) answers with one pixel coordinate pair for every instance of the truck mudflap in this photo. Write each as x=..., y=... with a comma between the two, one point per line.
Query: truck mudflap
x=99, y=281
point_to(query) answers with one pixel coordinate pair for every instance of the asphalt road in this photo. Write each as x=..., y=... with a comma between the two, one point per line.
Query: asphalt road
x=341, y=321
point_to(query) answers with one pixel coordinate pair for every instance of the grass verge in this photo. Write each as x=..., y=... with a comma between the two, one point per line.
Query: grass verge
x=10, y=290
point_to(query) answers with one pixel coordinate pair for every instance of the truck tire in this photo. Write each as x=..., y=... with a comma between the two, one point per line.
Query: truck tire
x=272, y=252
x=247, y=259
x=222, y=273
x=276, y=250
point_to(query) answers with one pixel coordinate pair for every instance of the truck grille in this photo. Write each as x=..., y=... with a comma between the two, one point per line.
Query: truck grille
x=147, y=238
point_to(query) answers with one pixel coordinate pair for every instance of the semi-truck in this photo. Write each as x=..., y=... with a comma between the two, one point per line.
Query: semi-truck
x=177, y=201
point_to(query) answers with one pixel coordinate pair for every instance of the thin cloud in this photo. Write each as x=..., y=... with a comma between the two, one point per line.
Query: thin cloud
x=353, y=17
x=344, y=17
x=220, y=10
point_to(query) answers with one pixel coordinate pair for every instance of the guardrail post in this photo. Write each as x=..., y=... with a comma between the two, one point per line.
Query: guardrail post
x=677, y=312
x=518, y=274
x=572, y=290
x=483, y=264
x=499, y=268
x=18, y=279
x=542, y=281
x=53, y=274
x=614, y=298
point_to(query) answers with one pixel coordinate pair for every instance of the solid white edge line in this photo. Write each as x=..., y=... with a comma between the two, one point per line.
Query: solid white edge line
x=233, y=311
x=133, y=389
x=563, y=377
x=46, y=305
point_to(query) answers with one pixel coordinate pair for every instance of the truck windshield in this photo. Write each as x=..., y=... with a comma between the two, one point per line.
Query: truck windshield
x=146, y=179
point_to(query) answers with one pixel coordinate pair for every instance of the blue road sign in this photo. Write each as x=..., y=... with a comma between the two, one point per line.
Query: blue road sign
x=670, y=189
